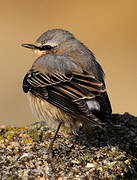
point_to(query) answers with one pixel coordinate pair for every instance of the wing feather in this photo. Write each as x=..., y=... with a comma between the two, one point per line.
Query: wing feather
x=70, y=93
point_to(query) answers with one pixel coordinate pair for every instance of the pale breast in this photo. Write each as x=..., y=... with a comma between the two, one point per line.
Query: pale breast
x=45, y=111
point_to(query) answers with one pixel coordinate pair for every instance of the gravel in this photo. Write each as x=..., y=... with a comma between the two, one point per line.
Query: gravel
x=94, y=153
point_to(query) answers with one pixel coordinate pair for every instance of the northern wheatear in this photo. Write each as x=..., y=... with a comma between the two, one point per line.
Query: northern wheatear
x=65, y=83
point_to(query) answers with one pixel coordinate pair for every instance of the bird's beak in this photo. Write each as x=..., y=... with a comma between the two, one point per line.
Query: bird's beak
x=30, y=46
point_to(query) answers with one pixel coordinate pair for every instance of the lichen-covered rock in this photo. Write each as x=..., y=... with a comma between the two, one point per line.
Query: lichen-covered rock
x=95, y=153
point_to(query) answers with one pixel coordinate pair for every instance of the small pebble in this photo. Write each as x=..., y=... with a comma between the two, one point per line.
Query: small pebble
x=90, y=165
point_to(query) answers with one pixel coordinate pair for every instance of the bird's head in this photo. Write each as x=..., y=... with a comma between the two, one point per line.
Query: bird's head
x=50, y=41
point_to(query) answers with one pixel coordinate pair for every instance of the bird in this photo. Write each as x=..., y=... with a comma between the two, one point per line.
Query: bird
x=65, y=84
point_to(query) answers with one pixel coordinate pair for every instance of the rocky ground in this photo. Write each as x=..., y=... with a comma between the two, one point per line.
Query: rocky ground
x=95, y=153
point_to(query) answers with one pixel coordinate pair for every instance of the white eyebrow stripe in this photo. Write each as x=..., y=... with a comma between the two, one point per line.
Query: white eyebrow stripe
x=52, y=44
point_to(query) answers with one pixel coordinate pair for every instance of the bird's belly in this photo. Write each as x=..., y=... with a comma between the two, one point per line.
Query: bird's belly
x=45, y=111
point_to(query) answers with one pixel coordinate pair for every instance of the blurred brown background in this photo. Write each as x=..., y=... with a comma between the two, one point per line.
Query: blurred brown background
x=108, y=28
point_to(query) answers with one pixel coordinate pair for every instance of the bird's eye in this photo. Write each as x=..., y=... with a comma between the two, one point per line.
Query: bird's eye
x=46, y=47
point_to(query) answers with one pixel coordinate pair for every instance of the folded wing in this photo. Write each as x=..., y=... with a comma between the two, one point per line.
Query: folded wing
x=74, y=91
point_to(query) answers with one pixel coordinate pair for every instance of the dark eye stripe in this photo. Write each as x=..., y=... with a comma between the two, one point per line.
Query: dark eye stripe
x=46, y=47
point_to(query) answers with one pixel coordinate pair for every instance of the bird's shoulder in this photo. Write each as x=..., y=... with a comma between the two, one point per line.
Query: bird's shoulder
x=50, y=63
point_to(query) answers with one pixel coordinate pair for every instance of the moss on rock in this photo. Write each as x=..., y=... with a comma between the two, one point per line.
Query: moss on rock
x=95, y=153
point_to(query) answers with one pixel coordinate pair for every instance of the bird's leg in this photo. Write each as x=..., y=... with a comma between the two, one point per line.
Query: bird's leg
x=54, y=137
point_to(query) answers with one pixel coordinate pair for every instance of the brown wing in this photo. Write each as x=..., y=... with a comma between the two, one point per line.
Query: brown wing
x=79, y=94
